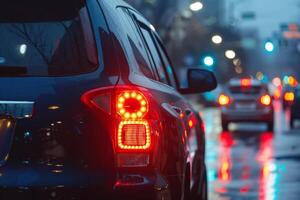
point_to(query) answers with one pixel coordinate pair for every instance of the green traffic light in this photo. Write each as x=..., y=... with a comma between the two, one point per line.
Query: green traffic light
x=269, y=46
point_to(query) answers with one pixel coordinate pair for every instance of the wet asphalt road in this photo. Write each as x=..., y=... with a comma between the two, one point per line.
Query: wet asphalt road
x=250, y=163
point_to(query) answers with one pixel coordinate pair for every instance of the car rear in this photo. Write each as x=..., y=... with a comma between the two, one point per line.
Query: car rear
x=246, y=100
x=52, y=145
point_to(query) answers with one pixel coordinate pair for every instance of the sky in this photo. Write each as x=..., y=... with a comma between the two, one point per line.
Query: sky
x=269, y=14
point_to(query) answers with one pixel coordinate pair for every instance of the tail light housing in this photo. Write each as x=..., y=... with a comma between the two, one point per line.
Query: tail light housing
x=224, y=100
x=289, y=96
x=266, y=100
x=129, y=109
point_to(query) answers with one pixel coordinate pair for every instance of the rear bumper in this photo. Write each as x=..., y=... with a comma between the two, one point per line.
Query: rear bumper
x=63, y=183
x=230, y=115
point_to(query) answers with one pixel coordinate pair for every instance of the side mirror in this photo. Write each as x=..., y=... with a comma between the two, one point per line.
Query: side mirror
x=199, y=80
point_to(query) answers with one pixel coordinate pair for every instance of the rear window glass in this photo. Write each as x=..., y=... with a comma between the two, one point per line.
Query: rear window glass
x=245, y=90
x=46, y=40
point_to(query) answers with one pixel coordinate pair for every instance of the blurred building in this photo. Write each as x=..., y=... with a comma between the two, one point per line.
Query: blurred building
x=159, y=13
x=212, y=13
x=266, y=16
x=261, y=21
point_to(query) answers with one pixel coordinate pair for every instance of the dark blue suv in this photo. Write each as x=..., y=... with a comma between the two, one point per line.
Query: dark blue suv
x=90, y=107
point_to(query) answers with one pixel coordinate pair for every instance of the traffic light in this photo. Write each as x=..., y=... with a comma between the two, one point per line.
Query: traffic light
x=269, y=46
x=208, y=61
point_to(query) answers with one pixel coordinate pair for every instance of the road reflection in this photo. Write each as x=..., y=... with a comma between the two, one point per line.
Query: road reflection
x=267, y=166
x=249, y=163
x=241, y=163
x=244, y=166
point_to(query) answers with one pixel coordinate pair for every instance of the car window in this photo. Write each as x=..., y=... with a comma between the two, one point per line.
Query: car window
x=39, y=44
x=167, y=64
x=140, y=55
x=154, y=55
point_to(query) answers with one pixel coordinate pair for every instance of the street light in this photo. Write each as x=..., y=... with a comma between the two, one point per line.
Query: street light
x=23, y=48
x=216, y=39
x=196, y=6
x=230, y=54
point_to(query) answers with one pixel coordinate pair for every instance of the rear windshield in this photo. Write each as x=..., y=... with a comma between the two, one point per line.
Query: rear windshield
x=49, y=39
x=246, y=90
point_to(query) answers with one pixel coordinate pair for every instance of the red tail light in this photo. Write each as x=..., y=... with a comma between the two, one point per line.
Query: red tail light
x=224, y=100
x=246, y=82
x=289, y=96
x=132, y=105
x=133, y=130
x=129, y=109
x=133, y=135
x=266, y=100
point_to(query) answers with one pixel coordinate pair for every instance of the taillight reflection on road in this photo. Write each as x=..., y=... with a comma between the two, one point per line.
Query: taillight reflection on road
x=226, y=141
x=265, y=150
x=224, y=173
x=264, y=157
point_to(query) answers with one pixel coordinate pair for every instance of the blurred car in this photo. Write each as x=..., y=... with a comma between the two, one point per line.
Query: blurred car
x=90, y=107
x=295, y=108
x=246, y=100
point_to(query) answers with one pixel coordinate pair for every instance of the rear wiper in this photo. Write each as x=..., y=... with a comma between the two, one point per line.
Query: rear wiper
x=12, y=71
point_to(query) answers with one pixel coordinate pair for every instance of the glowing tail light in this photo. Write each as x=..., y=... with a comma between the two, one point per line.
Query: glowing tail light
x=246, y=82
x=129, y=108
x=134, y=135
x=132, y=105
x=289, y=96
x=223, y=100
x=265, y=100
x=133, y=131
